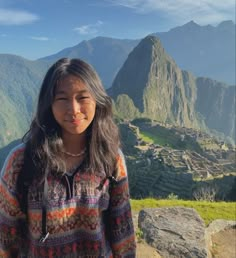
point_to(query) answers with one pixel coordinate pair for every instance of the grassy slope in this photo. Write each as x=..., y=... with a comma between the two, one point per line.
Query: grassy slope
x=165, y=137
x=209, y=211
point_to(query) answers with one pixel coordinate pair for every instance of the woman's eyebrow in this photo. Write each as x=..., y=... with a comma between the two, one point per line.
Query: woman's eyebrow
x=64, y=92
x=83, y=91
x=60, y=92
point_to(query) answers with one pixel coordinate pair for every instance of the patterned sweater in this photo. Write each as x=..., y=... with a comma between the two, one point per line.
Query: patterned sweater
x=75, y=215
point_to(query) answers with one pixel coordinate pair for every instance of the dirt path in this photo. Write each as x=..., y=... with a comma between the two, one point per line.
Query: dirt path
x=146, y=251
x=224, y=244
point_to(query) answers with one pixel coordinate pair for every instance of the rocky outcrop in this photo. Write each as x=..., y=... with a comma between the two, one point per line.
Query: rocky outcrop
x=176, y=232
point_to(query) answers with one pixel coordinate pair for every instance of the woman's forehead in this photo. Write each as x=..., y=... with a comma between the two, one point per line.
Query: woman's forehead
x=71, y=82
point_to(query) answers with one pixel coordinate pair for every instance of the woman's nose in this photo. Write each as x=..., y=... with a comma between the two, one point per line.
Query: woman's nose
x=73, y=107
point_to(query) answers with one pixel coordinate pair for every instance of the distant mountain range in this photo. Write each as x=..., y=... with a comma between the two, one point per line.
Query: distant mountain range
x=205, y=51
x=145, y=76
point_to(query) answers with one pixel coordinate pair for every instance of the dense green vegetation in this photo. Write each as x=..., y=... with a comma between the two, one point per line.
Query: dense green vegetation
x=10, y=127
x=209, y=211
x=20, y=81
x=125, y=108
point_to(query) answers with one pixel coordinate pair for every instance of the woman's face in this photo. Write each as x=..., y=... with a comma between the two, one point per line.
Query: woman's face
x=73, y=106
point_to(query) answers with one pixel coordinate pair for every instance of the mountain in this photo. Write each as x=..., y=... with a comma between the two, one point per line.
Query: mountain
x=151, y=85
x=105, y=54
x=157, y=87
x=19, y=85
x=216, y=103
x=206, y=51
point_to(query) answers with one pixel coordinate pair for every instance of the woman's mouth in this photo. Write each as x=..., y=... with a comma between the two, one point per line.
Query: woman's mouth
x=76, y=121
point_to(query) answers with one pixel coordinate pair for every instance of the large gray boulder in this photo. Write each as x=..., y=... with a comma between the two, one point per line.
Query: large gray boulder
x=176, y=232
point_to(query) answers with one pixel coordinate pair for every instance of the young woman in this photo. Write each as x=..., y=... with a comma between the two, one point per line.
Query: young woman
x=64, y=191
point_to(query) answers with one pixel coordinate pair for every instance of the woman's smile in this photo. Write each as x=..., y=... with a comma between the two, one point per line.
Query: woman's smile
x=76, y=121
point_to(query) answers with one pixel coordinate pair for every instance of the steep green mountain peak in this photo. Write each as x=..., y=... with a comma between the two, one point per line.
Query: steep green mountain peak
x=157, y=87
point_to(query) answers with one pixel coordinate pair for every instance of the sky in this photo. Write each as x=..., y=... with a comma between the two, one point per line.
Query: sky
x=38, y=28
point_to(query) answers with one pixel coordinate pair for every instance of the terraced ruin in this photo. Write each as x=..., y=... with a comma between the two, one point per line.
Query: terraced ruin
x=160, y=170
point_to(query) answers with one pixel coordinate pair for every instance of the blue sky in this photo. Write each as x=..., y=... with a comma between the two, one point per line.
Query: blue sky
x=37, y=28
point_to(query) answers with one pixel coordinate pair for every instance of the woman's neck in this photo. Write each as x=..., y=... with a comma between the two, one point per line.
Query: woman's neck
x=74, y=143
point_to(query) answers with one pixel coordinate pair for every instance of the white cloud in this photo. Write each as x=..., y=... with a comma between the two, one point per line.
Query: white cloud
x=16, y=17
x=40, y=38
x=202, y=11
x=89, y=28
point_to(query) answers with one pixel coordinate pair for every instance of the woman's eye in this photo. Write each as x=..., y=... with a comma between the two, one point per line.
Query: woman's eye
x=60, y=98
x=83, y=97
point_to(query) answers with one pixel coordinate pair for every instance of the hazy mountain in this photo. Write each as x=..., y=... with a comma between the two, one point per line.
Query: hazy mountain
x=216, y=103
x=203, y=50
x=107, y=55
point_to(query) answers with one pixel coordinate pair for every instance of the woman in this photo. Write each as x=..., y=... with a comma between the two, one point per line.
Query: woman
x=64, y=192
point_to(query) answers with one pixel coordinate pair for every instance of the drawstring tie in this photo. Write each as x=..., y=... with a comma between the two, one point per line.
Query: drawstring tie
x=45, y=233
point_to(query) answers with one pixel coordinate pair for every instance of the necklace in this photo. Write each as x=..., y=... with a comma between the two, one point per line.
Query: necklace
x=75, y=154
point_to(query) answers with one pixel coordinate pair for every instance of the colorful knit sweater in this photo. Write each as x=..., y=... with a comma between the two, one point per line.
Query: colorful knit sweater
x=75, y=215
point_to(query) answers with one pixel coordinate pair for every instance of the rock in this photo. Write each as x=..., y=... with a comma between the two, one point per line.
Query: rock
x=219, y=225
x=215, y=227
x=176, y=232
x=143, y=249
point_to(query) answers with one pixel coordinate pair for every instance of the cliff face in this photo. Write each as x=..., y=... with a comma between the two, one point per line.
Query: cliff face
x=216, y=103
x=158, y=88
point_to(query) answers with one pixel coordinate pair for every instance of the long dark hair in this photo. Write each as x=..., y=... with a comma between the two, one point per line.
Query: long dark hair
x=43, y=140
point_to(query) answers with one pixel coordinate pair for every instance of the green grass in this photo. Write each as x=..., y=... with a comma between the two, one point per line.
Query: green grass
x=166, y=137
x=151, y=138
x=209, y=211
x=146, y=137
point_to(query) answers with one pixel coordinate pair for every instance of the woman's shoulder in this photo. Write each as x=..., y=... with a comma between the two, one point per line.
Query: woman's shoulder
x=14, y=159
